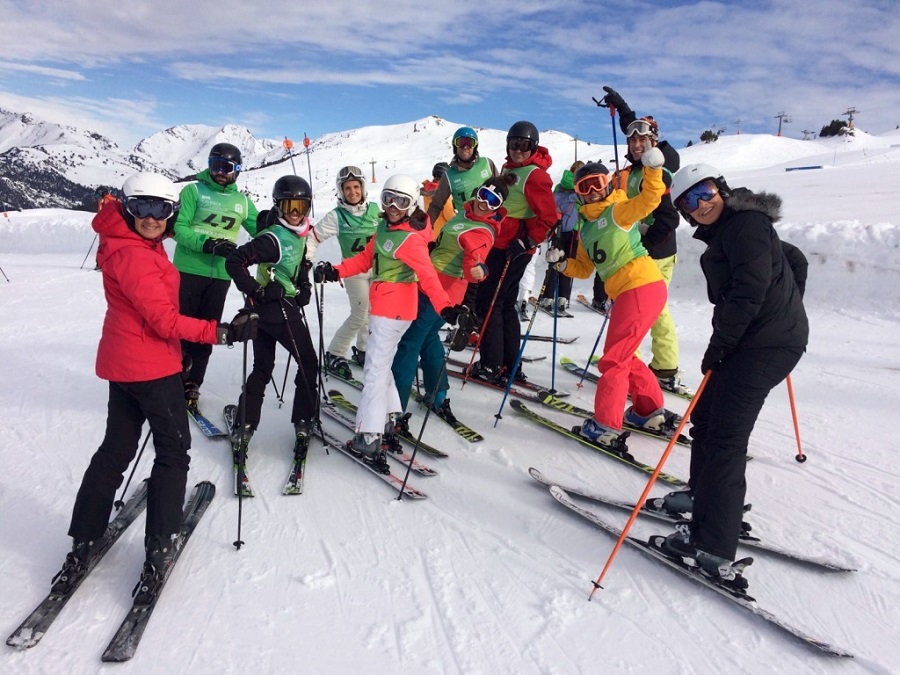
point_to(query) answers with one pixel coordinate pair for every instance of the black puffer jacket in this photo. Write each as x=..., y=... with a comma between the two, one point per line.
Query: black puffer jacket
x=749, y=276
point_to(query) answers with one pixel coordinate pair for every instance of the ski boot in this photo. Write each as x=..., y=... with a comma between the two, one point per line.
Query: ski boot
x=303, y=431
x=390, y=440
x=368, y=448
x=661, y=421
x=359, y=356
x=74, y=568
x=670, y=380
x=160, y=555
x=338, y=365
x=724, y=572
x=603, y=436
x=192, y=397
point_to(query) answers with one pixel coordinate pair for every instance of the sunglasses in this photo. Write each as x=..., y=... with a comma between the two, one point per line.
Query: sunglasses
x=520, y=145
x=349, y=172
x=219, y=165
x=487, y=196
x=463, y=143
x=288, y=206
x=150, y=207
x=596, y=182
x=690, y=200
x=396, y=199
x=641, y=128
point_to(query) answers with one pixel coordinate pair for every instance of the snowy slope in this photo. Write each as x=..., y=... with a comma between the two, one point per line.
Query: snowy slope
x=489, y=575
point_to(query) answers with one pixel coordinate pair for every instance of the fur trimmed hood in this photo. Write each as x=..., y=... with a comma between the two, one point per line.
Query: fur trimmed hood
x=742, y=199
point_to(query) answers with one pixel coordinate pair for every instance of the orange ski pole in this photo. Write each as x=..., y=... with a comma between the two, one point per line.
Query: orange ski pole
x=643, y=497
x=800, y=456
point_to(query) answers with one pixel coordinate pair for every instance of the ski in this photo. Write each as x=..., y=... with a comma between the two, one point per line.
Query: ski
x=338, y=416
x=294, y=483
x=33, y=628
x=230, y=414
x=740, y=598
x=357, y=384
x=461, y=429
x=549, y=338
x=390, y=479
x=746, y=539
x=125, y=642
x=345, y=403
x=561, y=313
x=531, y=386
x=587, y=303
x=208, y=429
x=552, y=401
x=624, y=457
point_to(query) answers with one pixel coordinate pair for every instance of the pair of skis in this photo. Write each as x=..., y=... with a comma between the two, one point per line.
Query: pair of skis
x=125, y=642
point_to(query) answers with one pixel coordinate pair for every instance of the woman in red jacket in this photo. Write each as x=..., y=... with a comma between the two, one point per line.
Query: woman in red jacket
x=140, y=355
x=398, y=258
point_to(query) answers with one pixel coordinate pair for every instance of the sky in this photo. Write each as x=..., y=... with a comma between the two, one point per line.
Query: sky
x=488, y=575
x=286, y=68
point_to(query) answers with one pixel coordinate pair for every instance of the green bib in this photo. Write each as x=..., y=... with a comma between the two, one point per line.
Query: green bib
x=609, y=246
x=385, y=265
x=464, y=182
x=633, y=187
x=355, y=231
x=516, y=204
x=285, y=270
x=447, y=256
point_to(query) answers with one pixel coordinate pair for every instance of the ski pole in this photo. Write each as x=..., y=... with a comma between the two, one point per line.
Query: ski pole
x=555, y=322
x=790, y=385
x=6, y=277
x=242, y=450
x=485, y=322
x=594, y=350
x=90, y=248
x=515, y=368
x=612, y=114
x=653, y=476
x=312, y=205
x=287, y=367
x=120, y=502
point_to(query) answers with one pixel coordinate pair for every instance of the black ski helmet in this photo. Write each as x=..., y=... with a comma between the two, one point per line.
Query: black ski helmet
x=228, y=152
x=291, y=187
x=524, y=129
x=439, y=169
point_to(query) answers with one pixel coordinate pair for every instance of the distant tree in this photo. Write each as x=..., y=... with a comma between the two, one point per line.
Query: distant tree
x=834, y=128
x=709, y=136
x=690, y=143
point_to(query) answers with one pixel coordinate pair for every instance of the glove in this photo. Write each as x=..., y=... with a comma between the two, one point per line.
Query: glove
x=613, y=99
x=712, y=359
x=451, y=314
x=324, y=271
x=516, y=248
x=556, y=258
x=653, y=157
x=219, y=247
x=241, y=329
x=304, y=294
x=273, y=292
x=186, y=364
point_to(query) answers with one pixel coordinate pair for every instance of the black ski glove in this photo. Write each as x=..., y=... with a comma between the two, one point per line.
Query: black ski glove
x=712, y=359
x=614, y=99
x=324, y=271
x=219, y=247
x=241, y=329
x=451, y=314
x=304, y=294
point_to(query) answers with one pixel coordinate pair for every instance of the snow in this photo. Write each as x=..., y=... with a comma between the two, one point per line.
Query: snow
x=489, y=575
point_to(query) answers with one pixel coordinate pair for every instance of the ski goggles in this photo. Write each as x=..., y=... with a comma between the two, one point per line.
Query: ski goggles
x=396, y=199
x=219, y=165
x=488, y=197
x=150, y=207
x=690, y=200
x=349, y=173
x=464, y=142
x=288, y=206
x=519, y=144
x=641, y=128
x=596, y=182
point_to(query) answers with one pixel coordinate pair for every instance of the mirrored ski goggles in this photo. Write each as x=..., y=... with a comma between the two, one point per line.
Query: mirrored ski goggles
x=219, y=165
x=520, y=144
x=348, y=172
x=150, y=207
x=596, y=182
x=690, y=200
x=641, y=128
x=288, y=206
x=487, y=196
x=464, y=142
x=396, y=199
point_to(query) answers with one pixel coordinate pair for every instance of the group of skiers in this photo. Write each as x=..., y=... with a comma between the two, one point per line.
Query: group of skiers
x=404, y=281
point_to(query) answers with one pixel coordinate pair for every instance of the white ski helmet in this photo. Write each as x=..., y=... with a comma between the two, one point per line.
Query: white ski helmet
x=688, y=176
x=346, y=173
x=151, y=185
x=403, y=185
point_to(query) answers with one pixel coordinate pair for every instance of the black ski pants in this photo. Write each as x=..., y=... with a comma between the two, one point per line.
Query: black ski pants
x=161, y=403
x=201, y=298
x=501, y=338
x=293, y=335
x=723, y=419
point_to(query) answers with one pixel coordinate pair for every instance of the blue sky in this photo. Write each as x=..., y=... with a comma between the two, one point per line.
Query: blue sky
x=288, y=68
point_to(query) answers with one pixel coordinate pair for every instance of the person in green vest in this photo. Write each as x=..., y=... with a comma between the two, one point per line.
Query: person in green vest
x=278, y=294
x=212, y=214
x=467, y=172
x=353, y=222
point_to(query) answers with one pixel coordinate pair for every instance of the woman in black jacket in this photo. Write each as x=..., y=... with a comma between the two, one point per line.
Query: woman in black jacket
x=760, y=330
